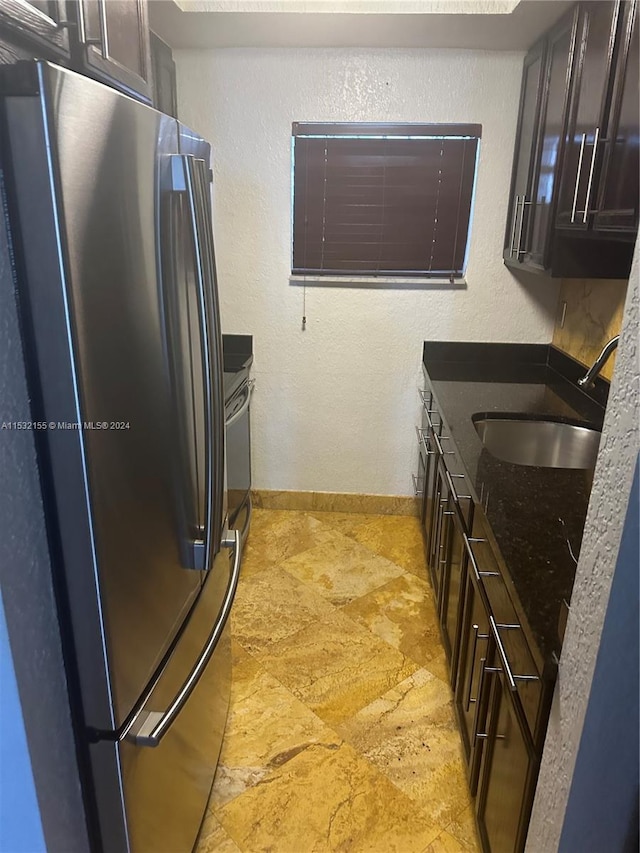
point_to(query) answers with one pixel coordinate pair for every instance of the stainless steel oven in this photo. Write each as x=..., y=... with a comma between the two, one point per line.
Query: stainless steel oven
x=238, y=434
x=238, y=386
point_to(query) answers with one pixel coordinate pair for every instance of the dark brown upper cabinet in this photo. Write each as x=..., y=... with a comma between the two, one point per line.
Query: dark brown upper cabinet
x=165, y=96
x=40, y=24
x=617, y=196
x=575, y=212
x=530, y=96
x=113, y=44
x=587, y=122
x=540, y=207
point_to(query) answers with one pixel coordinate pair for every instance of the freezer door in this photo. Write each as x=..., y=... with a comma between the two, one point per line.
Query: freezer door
x=165, y=762
x=91, y=172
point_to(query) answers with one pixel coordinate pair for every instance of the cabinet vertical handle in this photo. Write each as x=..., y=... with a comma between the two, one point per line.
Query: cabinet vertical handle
x=502, y=654
x=483, y=662
x=514, y=224
x=104, y=29
x=587, y=200
x=476, y=637
x=524, y=204
x=82, y=27
x=579, y=173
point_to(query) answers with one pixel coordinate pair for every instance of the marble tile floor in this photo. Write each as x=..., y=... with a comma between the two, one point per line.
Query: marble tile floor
x=341, y=733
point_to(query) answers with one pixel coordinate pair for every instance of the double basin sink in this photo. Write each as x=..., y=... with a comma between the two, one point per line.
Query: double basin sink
x=521, y=440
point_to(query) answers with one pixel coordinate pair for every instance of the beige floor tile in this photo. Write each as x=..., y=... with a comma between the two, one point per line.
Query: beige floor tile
x=266, y=727
x=344, y=522
x=272, y=606
x=398, y=538
x=410, y=735
x=341, y=734
x=336, y=667
x=402, y=613
x=238, y=654
x=277, y=535
x=445, y=843
x=327, y=799
x=463, y=829
x=213, y=837
x=341, y=569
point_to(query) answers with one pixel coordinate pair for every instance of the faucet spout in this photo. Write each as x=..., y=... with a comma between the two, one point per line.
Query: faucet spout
x=599, y=363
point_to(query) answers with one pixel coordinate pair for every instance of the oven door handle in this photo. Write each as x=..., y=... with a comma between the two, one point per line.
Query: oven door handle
x=235, y=417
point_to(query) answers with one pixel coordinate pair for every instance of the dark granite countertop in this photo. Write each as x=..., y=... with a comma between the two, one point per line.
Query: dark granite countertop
x=531, y=511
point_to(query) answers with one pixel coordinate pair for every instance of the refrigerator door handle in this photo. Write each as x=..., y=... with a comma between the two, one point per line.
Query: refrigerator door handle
x=149, y=727
x=185, y=180
x=205, y=235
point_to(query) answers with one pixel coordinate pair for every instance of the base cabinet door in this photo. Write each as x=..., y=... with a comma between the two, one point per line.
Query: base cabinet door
x=508, y=771
x=451, y=600
x=431, y=483
x=472, y=657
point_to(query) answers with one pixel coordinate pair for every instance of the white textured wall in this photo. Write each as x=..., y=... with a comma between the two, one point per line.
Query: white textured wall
x=335, y=405
x=598, y=555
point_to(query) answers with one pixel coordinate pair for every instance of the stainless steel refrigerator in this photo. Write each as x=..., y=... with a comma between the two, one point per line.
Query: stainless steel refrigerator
x=109, y=206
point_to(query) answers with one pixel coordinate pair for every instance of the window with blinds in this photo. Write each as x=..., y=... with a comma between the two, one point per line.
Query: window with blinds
x=382, y=199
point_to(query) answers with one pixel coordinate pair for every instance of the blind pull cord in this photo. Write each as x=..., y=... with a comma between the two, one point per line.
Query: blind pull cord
x=304, y=308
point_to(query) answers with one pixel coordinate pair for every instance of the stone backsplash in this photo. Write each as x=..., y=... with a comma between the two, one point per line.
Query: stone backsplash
x=593, y=316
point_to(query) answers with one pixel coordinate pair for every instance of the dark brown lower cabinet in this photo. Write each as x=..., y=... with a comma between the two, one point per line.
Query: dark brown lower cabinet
x=472, y=656
x=438, y=551
x=508, y=768
x=451, y=600
x=501, y=701
x=431, y=426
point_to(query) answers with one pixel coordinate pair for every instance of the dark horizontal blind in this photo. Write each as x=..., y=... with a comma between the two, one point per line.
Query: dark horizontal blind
x=382, y=199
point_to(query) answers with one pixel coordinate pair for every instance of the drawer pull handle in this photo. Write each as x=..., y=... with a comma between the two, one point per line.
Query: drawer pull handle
x=422, y=442
x=478, y=574
x=417, y=491
x=456, y=497
x=502, y=654
x=442, y=452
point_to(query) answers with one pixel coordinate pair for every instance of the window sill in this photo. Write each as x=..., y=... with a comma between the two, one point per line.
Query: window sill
x=407, y=282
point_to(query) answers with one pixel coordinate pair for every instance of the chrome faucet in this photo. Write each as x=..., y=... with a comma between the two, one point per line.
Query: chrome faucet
x=598, y=364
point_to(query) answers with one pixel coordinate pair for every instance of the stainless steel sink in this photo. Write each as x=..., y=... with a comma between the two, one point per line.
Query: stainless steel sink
x=545, y=444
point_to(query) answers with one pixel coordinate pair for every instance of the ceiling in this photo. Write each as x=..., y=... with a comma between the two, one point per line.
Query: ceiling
x=471, y=24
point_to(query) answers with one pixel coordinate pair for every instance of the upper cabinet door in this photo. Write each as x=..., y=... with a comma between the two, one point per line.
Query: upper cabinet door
x=538, y=207
x=587, y=128
x=617, y=204
x=532, y=76
x=165, y=97
x=114, y=43
x=40, y=23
